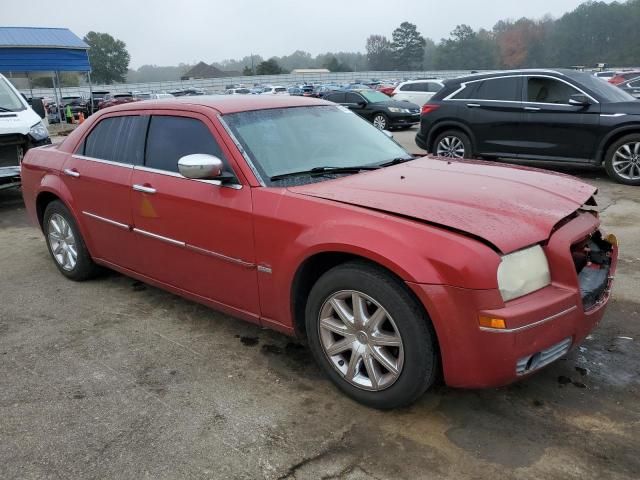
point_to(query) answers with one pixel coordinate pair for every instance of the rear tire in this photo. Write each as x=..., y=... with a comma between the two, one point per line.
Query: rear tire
x=453, y=144
x=384, y=357
x=65, y=243
x=622, y=161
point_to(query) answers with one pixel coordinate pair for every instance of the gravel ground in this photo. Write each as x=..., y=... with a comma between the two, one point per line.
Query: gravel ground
x=115, y=379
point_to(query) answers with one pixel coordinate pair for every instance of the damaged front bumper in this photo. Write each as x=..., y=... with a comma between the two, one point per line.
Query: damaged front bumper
x=541, y=327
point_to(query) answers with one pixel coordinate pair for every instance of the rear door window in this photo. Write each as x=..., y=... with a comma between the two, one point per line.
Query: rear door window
x=117, y=139
x=500, y=89
x=171, y=138
x=337, y=97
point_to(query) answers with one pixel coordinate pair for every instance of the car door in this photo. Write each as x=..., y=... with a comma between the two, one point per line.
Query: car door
x=357, y=104
x=554, y=128
x=194, y=235
x=98, y=175
x=493, y=109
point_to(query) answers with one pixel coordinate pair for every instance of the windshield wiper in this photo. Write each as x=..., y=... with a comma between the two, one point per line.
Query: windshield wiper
x=5, y=109
x=396, y=161
x=321, y=170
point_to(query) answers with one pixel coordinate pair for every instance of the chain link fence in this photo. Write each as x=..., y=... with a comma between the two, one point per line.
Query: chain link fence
x=218, y=85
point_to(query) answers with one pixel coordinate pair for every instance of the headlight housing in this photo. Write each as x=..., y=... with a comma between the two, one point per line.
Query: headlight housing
x=39, y=132
x=398, y=110
x=523, y=272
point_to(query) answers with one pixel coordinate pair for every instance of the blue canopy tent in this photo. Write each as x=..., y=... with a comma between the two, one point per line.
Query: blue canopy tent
x=31, y=49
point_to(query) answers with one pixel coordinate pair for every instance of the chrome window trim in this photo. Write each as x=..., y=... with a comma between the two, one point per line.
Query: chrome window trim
x=218, y=183
x=159, y=237
x=242, y=151
x=531, y=325
x=193, y=248
x=99, y=160
x=524, y=76
x=107, y=220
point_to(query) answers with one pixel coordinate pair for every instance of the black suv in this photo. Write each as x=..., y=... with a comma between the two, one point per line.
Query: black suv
x=384, y=112
x=544, y=115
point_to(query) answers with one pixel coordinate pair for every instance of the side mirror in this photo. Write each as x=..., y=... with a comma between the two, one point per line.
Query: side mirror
x=579, y=99
x=362, y=104
x=200, y=166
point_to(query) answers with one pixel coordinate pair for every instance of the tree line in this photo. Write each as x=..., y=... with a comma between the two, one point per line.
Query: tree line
x=595, y=32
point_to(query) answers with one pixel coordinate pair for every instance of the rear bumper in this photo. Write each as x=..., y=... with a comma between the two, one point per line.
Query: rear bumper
x=541, y=326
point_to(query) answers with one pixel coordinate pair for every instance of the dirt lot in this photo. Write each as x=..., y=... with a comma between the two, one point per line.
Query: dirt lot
x=115, y=379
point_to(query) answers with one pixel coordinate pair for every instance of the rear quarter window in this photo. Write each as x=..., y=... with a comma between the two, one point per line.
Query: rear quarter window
x=117, y=139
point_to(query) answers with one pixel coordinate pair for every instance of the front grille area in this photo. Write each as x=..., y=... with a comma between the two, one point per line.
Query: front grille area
x=538, y=360
x=592, y=259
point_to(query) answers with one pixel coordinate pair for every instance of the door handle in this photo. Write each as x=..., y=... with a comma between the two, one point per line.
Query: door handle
x=473, y=105
x=71, y=173
x=532, y=109
x=143, y=189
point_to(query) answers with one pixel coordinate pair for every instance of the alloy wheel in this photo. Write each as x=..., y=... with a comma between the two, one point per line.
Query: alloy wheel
x=361, y=340
x=380, y=122
x=626, y=161
x=450, y=147
x=62, y=242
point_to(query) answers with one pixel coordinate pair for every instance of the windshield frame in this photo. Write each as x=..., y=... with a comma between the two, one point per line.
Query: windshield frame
x=264, y=178
x=12, y=92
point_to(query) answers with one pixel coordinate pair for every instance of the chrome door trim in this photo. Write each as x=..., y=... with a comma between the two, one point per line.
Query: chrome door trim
x=99, y=160
x=531, y=325
x=159, y=237
x=219, y=256
x=234, y=186
x=613, y=115
x=193, y=248
x=107, y=220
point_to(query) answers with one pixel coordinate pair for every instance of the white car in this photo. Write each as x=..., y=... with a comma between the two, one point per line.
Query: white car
x=21, y=128
x=278, y=90
x=605, y=75
x=417, y=91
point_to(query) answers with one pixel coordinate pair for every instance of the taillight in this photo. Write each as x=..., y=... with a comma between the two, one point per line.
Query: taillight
x=428, y=108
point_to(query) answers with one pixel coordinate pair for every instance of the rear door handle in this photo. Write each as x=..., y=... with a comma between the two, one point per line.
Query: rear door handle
x=71, y=173
x=473, y=105
x=532, y=109
x=143, y=189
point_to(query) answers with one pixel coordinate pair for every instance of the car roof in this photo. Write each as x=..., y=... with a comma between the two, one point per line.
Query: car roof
x=225, y=104
x=499, y=73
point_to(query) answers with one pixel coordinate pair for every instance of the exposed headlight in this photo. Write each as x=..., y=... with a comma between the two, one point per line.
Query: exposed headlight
x=523, y=272
x=39, y=131
x=398, y=110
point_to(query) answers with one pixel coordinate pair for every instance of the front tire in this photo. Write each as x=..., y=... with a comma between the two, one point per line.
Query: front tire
x=370, y=336
x=453, y=144
x=381, y=121
x=622, y=161
x=65, y=243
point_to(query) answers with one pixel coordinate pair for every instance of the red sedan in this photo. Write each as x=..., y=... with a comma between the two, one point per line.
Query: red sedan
x=297, y=215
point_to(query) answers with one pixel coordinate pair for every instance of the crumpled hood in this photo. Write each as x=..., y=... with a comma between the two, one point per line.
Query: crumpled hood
x=509, y=207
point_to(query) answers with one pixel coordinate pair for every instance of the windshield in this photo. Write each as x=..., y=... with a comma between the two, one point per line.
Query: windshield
x=605, y=90
x=287, y=140
x=9, y=100
x=374, y=96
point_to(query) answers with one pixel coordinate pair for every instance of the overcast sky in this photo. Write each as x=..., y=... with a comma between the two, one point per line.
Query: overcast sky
x=164, y=32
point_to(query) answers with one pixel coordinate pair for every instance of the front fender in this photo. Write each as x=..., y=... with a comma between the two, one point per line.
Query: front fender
x=619, y=131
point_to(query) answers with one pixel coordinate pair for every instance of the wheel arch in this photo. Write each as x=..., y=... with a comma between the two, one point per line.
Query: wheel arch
x=316, y=265
x=613, y=137
x=445, y=125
